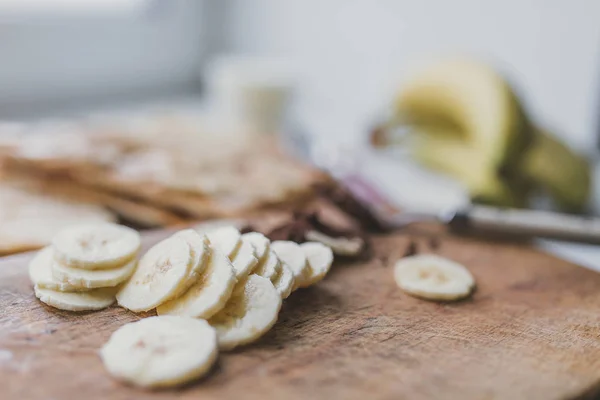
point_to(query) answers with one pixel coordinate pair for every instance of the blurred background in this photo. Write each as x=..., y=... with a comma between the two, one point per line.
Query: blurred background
x=416, y=95
x=350, y=55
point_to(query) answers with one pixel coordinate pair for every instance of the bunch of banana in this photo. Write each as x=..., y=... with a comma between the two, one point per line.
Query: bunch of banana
x=465, y=120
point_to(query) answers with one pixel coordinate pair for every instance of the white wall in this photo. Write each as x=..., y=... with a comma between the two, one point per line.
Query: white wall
x=352, y=54
x=48, y=58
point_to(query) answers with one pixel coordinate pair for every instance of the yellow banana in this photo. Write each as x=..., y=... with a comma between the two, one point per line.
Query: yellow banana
x=476, y=101
x=467, y=121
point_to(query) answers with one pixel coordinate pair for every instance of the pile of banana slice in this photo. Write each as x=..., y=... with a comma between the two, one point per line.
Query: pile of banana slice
x=83, y=267
x=212, y=291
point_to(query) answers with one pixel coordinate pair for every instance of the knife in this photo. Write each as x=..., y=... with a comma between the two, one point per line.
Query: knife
x=472, y=219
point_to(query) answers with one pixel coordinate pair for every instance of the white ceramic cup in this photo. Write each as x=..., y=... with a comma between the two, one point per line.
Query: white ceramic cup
x=252, y=91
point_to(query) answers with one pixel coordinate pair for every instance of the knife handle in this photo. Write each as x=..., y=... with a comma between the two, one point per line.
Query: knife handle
x=525, y=223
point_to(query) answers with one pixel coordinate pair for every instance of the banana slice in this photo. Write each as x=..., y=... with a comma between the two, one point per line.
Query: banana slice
x=250, y=312
x=284, y=281
x=227, y=238
x=159, y=277
x=40, y=272
x=261, y=244
x=161, y=351
x=199, y=246
x=433, y=277
x=319, y=258
x=96, y=246
x=293, y=256
x=209, y=294
x=340, y=245
x=92, y=278
x=270, y=268
x=245, y=259
x=96, y=299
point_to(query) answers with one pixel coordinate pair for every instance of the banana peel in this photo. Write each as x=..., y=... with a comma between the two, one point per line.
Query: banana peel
x=476, y=101
x=557, y=170
x=485, y=184
x=467, y=121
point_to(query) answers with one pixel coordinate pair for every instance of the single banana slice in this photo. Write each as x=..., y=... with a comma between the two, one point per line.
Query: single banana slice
x=319, y=258
x=40, y=272
x=200, y=252
x=250, y=312
x=261, y=244
x=340, y=245
x=269, y=268
x=159, y=276
x=209, y=294
x=161, y=351
x=433, y=277
x=284, y=282
x=245, y=260
x=92, y=278
x=291, y=254
x=227, y=238
x=96, y=299
x=96, y=246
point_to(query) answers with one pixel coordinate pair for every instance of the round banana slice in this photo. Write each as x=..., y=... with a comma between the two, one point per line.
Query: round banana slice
x=92, y=278
x=284, y=282
x=342, y=246
x=199, y=247
x=96, y=299
x=159, y=276
x=293, y=256
x=40, y=272
x=96, y=246
x=227, y=238
x=270, y=267
x=250, y=312
x=208, y=295
x=161, y=351
x=245, y=260
x=261, y=244
x=433, y=277
x=319, y=258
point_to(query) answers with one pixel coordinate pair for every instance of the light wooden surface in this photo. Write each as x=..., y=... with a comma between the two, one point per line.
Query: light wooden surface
x=531, y=331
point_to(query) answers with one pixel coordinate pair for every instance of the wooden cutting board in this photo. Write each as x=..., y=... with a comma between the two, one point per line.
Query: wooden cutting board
x=531, y=331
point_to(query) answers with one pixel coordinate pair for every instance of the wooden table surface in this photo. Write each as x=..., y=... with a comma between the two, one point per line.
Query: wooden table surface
x=531, y=331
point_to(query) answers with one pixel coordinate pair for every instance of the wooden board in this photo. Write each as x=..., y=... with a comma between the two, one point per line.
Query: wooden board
x=531, y=331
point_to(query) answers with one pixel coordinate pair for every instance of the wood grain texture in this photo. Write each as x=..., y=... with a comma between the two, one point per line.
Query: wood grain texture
x=531, y=331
